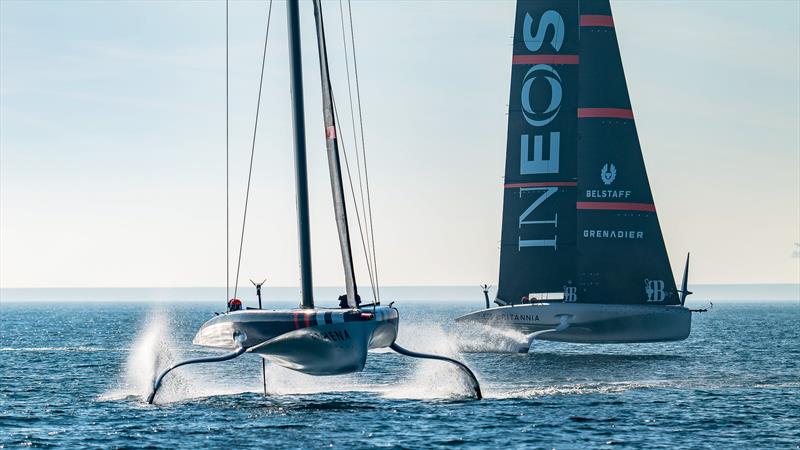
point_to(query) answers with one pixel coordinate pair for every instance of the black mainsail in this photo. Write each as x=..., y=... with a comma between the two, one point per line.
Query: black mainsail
x=538, y=245
x=578, y=213
x=623, y=258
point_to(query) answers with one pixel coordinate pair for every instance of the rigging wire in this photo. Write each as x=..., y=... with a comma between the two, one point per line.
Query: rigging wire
x=253, y=148
x=355, y=204
x=227, y=170
x=355, y=136
x=371, y=233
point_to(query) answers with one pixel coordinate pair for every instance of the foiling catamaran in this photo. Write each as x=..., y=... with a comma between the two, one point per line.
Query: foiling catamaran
x=309, y=339
x=582, y=257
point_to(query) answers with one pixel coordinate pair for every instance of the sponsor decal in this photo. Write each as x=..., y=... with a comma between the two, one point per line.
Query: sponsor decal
x=654, y=290
x=541, y=118
x=607, y=193
x=525, y=219
x=613, y=234
x=608, y=173
x=570, y=293
x=539, y=81
x=549, y=19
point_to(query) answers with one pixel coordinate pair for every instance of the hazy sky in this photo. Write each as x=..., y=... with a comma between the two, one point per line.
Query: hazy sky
x=112, y=138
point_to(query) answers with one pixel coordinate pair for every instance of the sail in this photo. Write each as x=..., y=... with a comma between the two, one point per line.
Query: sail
x=538, y=239
x=334, y=166
x=621, y=253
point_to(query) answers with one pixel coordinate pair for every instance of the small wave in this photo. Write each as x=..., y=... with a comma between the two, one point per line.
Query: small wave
x=53, y=349
x=576, y=389
x=786, y=385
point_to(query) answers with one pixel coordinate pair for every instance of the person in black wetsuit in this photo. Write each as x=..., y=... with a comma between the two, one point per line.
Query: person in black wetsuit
x=343, y=301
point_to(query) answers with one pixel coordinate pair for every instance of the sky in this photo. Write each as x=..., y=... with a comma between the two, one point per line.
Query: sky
x=112, y=138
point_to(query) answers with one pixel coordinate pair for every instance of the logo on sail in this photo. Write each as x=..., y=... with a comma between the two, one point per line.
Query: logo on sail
x=570, y=294
x=608, y=173
x=541, y=118
x=654, y=290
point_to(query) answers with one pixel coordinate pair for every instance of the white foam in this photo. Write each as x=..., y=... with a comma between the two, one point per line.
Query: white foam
x=531, y=392
x=154, y=350
x=477, y=338
x=431, y=379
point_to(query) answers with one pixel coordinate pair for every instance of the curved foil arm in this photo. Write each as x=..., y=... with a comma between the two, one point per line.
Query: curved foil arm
x=225, y=357
x=475, y=385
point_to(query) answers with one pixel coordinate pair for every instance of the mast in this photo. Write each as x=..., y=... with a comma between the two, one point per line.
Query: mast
x=334, y=166
x=300, y=170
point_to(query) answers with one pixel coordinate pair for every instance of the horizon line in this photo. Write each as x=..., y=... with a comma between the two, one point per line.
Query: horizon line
x=365, y=286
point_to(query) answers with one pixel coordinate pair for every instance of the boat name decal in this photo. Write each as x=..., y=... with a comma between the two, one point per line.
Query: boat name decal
x=333, y=335
x=519, y=317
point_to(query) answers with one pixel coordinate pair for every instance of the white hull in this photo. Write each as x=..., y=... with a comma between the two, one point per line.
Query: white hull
x=304, y=340
x=590, y=323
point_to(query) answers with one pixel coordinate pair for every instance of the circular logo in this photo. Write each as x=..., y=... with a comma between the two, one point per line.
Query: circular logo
x=541, y=118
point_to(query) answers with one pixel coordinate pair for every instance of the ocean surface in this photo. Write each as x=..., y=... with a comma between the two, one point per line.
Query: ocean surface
x=76, y=375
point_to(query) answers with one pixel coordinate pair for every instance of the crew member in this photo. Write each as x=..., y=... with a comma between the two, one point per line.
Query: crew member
x=234, y=304
x=343, y=301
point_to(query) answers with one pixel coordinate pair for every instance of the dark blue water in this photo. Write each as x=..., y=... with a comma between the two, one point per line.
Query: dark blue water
x=75, y=375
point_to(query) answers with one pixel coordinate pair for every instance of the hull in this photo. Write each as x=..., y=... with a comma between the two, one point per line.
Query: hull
x=314, y=341
x=590, y=323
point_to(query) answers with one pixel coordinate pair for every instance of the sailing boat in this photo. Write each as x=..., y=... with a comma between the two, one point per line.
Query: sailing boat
x=309, y=339
x=582, y=257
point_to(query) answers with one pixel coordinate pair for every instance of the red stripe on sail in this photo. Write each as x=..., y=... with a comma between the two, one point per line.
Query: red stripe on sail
x=296, y=321
x=330, y=132
x=597, y=21
x=545, y=59
x=617, y=206
x=605, y=113
x=545, y=184
x=308, y=319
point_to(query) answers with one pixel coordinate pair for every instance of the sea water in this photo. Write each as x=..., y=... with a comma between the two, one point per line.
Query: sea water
x=77, y=374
